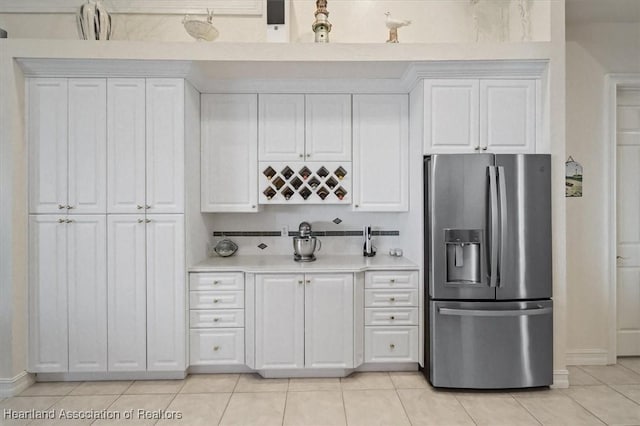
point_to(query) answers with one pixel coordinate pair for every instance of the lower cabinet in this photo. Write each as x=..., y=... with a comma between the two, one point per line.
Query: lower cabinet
x=216, y=318
x=304, y=321
x=391, y=316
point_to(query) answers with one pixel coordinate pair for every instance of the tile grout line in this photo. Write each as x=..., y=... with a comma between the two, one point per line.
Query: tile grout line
x=527, y=410
x=344, y=405
x=401, y=403
x=620, y=393
x=587, y=409
x=229, y=400
x=465, y=409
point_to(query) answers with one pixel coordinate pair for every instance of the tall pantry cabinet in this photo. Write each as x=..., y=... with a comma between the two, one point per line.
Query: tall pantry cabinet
x=106, y=244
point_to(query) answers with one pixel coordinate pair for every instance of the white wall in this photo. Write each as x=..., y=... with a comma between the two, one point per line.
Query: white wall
x=354, y=21
x=593, y=50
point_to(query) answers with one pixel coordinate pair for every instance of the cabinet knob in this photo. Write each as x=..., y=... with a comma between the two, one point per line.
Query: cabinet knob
x=308, y=155
x=147, y=220
x=392, y=317
x=216, y=300
x=60, y=207
x=253, y=206
x=147, y=206
x=308, y=281
x=392, y=346
x=216, y=319
x=69, y=220
x=300, y=282
x=356, y=206
x=69, y=207
x=140, y=220
x=215, y=348
x=392, y=299
x=138, y=206
x=477, y=148
x=392, y=280
x=216, y=282
x=60, y=220
x=301, y=155
x=484, y=148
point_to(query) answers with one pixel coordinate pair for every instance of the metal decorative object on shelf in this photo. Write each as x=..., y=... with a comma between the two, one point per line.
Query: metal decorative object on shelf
x=321, y=26
x=201, y=30
x=226, y=248
x=305, y=183
x=393, y=25
x=94, y=22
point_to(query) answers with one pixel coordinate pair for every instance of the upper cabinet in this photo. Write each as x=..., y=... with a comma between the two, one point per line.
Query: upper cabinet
x=304, y=127
x=229, y=153
x=480, y=115
x=67, y=145
x=380, y=153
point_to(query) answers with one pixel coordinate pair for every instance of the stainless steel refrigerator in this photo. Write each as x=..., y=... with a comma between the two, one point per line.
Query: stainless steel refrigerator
x=488, y=263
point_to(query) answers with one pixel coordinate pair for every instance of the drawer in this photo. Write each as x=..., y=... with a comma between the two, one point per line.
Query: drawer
x=224, y=318
x=391, y=316
x=224, y=346
x=388, y=298
x=216, y=281
x=391, y=279
x=216, y=300
x=391, y=344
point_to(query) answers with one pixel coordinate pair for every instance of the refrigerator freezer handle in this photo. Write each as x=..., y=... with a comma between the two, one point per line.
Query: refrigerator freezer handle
x=503, y=220
x=494, y=313
x=493, y=240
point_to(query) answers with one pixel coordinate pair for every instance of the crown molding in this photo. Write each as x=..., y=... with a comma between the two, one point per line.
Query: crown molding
x=219, y=7
x=46, y=67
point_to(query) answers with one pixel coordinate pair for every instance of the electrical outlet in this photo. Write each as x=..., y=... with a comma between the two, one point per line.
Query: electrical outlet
x=284, y=231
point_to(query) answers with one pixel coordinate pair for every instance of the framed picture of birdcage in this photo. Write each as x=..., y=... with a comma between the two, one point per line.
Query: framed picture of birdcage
x=573, y=178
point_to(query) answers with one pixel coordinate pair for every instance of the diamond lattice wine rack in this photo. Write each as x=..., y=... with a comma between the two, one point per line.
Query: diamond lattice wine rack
x=305, y=183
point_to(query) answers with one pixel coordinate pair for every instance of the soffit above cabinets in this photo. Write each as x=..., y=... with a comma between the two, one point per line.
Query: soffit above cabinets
x=301, y=68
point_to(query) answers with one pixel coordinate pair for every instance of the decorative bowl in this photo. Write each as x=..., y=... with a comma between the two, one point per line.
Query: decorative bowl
x=226, y=248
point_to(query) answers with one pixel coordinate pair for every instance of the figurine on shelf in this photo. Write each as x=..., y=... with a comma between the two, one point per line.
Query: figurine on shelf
x=393, y=25
x=321, y=27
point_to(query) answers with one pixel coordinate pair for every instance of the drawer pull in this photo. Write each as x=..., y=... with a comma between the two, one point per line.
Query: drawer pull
x=308, y=281
x=392, y=299
x=392, y=346
x=216, y=319
x=392, y=280
x=216, y=348
x=216, y=300
x=392, y=317
x=300, y=282
x=216, y=282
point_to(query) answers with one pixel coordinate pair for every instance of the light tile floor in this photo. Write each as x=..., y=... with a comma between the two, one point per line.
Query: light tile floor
x=598, y=395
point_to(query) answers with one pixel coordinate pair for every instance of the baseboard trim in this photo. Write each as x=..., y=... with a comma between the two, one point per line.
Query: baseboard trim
x=587, y=357
x=560, y=379
x=15, y=385
x=119, y=375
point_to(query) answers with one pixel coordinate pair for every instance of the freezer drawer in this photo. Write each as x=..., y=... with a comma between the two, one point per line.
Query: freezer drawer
x=491, y=345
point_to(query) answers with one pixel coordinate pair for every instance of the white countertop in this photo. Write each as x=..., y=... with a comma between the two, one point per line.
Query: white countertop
x=284, y=264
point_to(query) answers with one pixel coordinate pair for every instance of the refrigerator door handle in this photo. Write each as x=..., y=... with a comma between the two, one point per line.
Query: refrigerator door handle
x=493, y=241
x=494, y=313
x=503, y=219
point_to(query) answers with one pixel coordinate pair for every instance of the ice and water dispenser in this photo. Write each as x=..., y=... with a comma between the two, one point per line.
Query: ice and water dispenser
x=464, y=256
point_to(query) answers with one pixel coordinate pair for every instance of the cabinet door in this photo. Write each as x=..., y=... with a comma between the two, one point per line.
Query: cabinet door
x=381, y=153
x=87, y=146
x=281, y=127
x=125, y=145
x=127, y=293
x=279, y=320
x=328, y=321
x=451, y=116
x=48, y=337
x=165, y=293
x=87, y=286
x=328, y=127
x=229, y=153
x=47, y=136
x=508, y=116
x=165, y=145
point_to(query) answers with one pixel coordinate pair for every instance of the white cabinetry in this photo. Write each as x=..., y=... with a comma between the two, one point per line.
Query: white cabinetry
x=304, y=321
x=67, y=292
x=391, y=316
x=216, y=318
x=380, y=153
x=67, y=145
x=476, y=115
x=304, y=127
x=229, y=153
